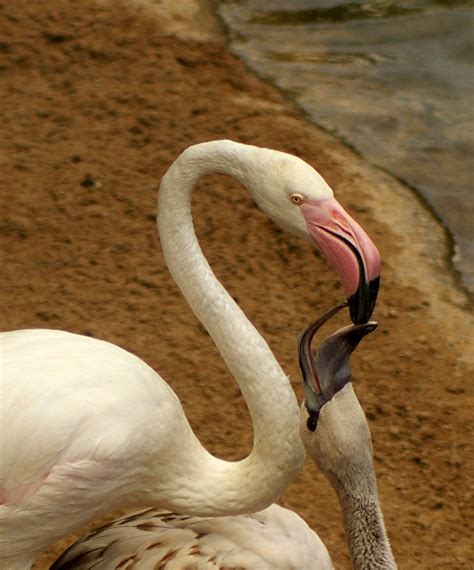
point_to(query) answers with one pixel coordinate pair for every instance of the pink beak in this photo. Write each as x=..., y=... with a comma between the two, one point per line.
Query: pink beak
x=349, y=250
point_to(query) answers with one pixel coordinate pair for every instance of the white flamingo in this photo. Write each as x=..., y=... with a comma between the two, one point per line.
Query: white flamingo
x=336, y=435
x=88, y=428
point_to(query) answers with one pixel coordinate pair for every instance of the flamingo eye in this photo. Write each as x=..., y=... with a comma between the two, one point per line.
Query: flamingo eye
x=297, y=199
x=312, y=422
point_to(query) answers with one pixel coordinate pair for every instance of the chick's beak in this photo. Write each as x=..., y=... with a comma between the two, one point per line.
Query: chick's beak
x=328, y=371
x=349, y=250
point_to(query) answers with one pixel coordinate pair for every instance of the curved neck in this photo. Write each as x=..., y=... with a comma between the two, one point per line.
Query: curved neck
x=363, y=523
x=277, y=453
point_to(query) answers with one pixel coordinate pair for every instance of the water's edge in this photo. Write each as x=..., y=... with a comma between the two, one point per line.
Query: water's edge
x=462, y=280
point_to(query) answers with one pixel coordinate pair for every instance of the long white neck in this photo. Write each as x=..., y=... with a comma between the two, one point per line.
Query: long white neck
x=209, y=486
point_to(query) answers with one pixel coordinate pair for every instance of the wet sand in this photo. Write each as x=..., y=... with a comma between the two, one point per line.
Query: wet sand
x=95, y=104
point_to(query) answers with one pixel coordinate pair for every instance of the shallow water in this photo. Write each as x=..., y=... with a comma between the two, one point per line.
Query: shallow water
x=393, y=79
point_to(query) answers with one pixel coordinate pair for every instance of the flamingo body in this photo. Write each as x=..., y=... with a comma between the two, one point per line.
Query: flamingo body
x=79, y=428
x=66, y=456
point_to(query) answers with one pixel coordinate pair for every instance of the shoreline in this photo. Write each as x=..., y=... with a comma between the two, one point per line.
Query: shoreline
x=459, y=281
x=249, y=43
x=182, y=16
x=92, y=91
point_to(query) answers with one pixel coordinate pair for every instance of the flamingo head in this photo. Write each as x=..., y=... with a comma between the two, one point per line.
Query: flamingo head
x=297, y=198
x=333, y=425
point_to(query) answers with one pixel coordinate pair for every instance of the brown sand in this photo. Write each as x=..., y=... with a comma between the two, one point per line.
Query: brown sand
x=91, y=93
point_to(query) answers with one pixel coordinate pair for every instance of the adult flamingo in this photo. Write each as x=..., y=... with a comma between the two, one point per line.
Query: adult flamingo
x=88, y=427
x=335, y=434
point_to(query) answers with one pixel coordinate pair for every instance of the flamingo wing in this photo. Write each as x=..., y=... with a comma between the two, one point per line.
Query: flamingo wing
x=271, y=539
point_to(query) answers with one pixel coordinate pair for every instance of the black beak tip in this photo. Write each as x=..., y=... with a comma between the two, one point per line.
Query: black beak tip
x=362, y=303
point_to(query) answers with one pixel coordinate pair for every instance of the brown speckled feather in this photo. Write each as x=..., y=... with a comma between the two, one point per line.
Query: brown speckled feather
x=160, y=540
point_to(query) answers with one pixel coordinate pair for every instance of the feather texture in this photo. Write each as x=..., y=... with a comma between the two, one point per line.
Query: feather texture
x=157, y=539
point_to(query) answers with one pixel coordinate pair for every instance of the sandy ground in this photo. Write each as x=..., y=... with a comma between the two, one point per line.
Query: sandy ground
x=95, y=104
